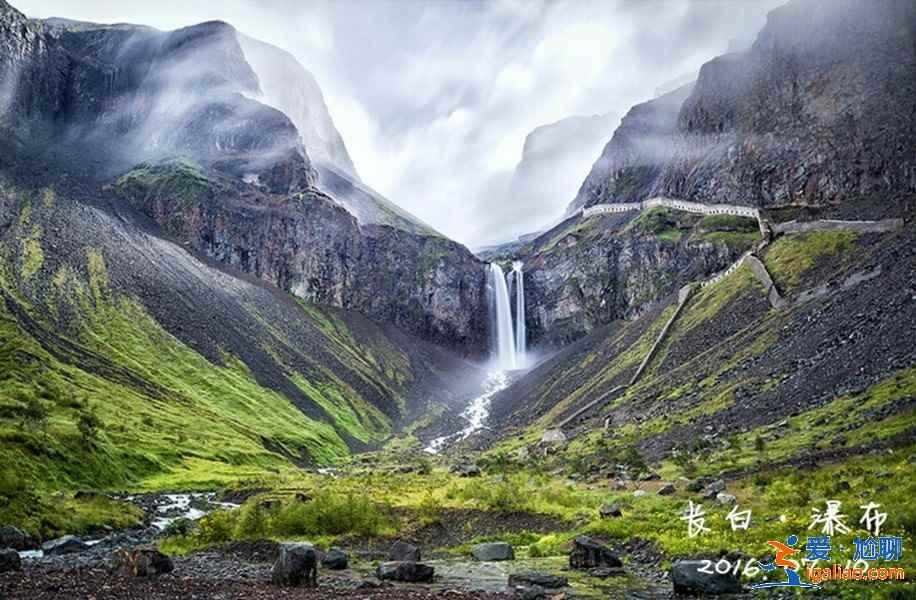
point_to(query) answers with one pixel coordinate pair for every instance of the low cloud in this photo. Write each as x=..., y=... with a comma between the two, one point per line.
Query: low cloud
x=434, y=99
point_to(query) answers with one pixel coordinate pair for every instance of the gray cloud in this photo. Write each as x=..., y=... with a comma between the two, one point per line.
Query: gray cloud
x=434, y=99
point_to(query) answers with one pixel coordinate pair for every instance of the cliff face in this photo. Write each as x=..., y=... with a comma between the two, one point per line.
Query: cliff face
x=821, y=111
x=95, y=100
x=587, y=273
x=633, y=159
x=309, y=245
x=88, y=103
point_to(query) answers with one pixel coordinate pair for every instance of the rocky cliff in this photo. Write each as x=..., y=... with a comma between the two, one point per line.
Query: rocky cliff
x=309, y=245
x=589, y=272
x=818, y=111
x=632, y=160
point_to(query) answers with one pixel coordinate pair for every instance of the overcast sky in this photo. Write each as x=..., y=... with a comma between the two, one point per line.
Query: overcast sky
x=434, y=99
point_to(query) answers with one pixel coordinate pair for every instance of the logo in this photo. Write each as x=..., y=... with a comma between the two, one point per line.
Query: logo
x=782, y=551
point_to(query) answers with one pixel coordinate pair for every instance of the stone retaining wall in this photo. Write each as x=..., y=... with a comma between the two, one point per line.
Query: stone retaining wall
x=834, y=225
x=694, y=207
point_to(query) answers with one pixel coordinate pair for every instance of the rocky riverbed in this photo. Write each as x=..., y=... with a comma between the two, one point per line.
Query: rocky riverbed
x=86, y=567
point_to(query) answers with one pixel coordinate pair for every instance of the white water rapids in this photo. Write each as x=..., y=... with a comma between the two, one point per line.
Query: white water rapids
x=476, y=413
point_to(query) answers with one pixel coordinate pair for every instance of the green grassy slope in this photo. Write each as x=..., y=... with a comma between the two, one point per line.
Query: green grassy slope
x=97, y=392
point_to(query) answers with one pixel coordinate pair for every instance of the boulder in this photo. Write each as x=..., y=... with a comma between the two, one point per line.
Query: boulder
x=404, y=551
x=553, y=436
x=638, y=493
x=336, y=560
x=723, y=498
x=296, y=565
x=466, y=470
x=608, y=511
x=666, y=490
x=535, y=579
x=9, y=560
x=144, y=561
x=405, y=570
x=589, y=554
x=67, y=544
x=15, y=538
x=493, y=551
x=697, y=485
x=712, y=490
x=688, y=579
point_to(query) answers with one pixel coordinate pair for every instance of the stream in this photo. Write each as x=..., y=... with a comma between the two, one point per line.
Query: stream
x=475, y=414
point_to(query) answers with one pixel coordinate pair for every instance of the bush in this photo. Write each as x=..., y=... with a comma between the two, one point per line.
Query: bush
x=216, y=528
x=251, y=522
x=34, y=413
x=329, y=513
x=182, y=527
x=88, y=425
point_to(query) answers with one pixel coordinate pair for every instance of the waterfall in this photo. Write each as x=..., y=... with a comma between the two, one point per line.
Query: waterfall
x=501, y=318
x=520, y=332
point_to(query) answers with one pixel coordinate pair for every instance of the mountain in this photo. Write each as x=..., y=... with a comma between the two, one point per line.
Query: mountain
x=631, y=161
x=168, y=120
x=554, y=160
x=367, y=205
x=172, y=275
x=819, y=111
x=813, y=122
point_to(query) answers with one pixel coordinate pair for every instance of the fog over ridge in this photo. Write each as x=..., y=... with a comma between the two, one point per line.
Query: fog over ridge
x=434, y=100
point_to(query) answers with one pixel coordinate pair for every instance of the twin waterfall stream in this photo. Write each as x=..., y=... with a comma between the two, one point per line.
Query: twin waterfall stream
x=508, y=348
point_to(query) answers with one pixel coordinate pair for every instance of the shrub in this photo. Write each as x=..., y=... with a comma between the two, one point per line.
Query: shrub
x=329, y=513
x=88, y=425
x=251, y=522
x=34, y=413
x=216, y=528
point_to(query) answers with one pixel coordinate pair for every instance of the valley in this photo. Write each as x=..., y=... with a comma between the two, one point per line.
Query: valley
x=226, y=360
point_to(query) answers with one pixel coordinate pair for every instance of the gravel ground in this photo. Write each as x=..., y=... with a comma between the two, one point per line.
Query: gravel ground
x=97, y=584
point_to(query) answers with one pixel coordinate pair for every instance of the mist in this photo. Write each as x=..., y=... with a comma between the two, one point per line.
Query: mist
x=434, y=100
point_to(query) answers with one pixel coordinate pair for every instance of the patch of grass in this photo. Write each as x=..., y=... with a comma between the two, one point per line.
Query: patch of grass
x=33, y=257
x=348, y=410
x=329, y=514
x=739, y=240
x=819, y=428
x=50, y=515
x=521, y=491
x=790, y=256
x=658, y=221
x=180, y=178
x=164, y=416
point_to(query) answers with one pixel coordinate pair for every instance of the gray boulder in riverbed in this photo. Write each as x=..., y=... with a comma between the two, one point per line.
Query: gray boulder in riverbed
x=404, y=551
x=9, y=560
x=297, y=564
x=336, y=560
x=688, y=579
x=405, y=570
x=67, y=544
x=589, y=554
x=15, y=538
x=493, y=551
